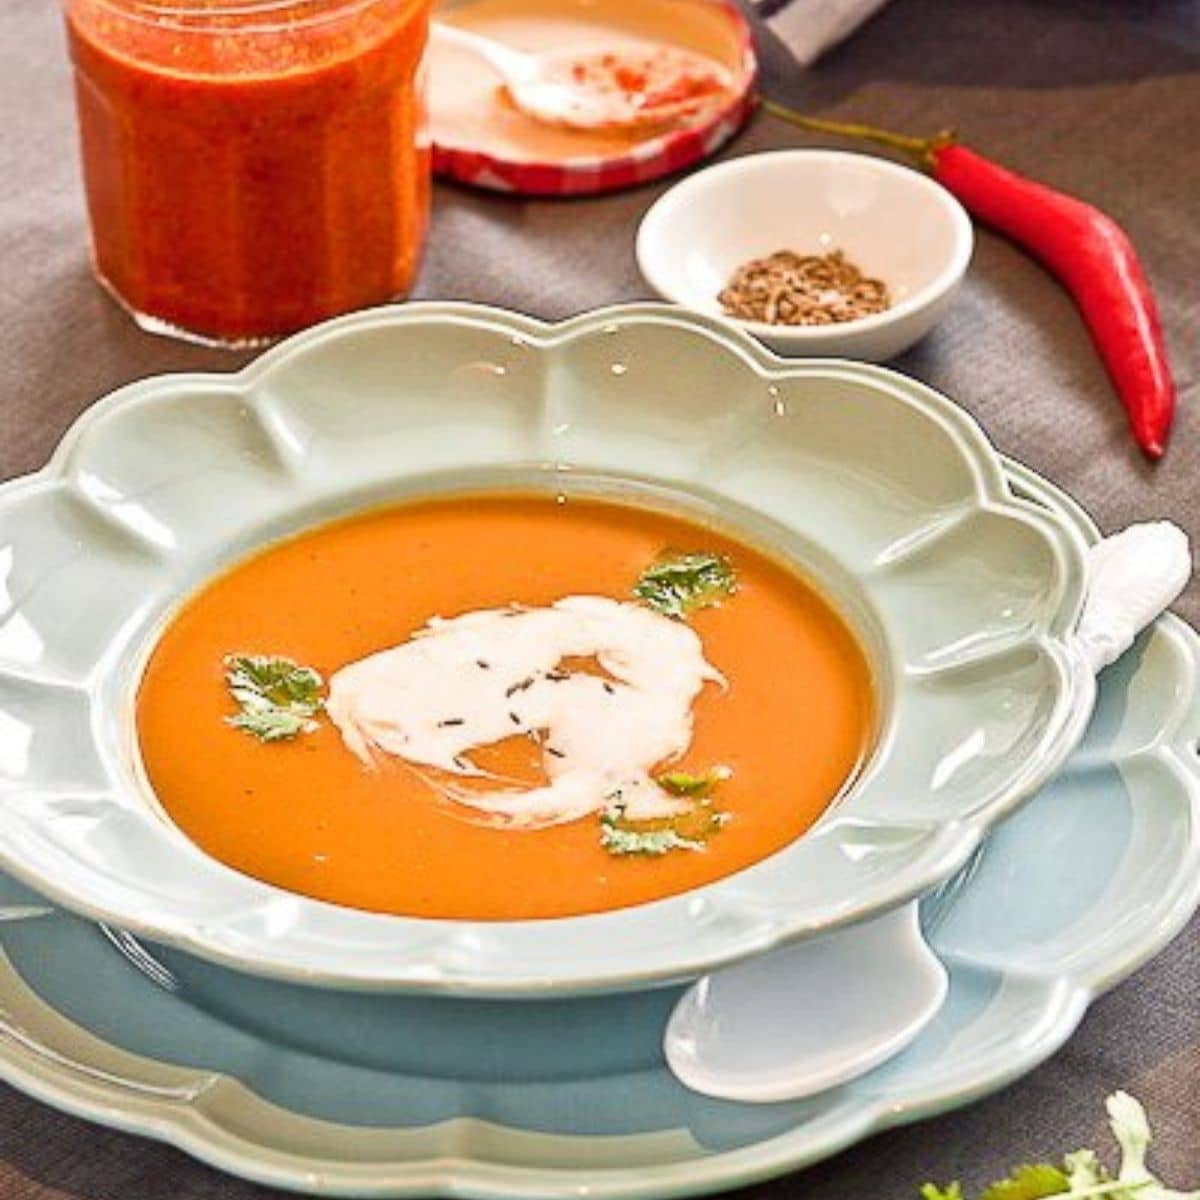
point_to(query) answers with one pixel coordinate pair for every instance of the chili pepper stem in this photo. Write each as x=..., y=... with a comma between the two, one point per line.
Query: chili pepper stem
x=920, y=149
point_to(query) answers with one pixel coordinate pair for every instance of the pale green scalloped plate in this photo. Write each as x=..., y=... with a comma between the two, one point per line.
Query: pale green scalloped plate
x=882, y=489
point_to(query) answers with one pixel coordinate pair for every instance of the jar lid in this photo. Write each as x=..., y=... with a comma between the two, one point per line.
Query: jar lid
x=480, y=138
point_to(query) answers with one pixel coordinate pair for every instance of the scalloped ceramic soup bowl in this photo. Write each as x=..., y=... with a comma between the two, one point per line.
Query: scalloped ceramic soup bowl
x=448, y=805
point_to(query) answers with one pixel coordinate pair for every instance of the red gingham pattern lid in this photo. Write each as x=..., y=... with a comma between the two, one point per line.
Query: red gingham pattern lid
x=590, y=173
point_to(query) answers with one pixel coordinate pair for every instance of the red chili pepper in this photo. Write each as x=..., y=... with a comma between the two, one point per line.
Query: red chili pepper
x=1084, y=248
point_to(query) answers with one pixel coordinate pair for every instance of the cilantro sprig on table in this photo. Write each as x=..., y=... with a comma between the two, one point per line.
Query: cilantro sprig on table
x=278, y=697
x=1082, y=1176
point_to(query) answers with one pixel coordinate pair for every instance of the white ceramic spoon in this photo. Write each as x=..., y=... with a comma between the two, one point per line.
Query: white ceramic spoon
x=816, y=1014
x=583, y=90
x=809, y=1016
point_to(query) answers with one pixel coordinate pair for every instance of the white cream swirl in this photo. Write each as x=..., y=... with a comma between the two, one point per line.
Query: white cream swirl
x=479, y=678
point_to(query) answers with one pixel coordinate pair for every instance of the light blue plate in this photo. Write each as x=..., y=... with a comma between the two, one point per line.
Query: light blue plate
x=374, y=1095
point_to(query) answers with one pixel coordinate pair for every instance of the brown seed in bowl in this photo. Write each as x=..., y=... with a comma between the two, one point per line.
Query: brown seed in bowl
x=787, y=288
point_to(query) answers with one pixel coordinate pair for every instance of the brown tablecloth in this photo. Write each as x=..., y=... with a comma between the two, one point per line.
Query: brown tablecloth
x=1100, y=97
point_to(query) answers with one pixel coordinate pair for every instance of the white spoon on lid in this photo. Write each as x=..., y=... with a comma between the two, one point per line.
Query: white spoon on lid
x=619, y=86
x=816, y=1014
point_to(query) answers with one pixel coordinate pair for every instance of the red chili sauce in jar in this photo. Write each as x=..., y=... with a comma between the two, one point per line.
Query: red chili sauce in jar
x=252, y=166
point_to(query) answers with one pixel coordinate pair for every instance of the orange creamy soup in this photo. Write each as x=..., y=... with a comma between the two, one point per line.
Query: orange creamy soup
x=547, y=744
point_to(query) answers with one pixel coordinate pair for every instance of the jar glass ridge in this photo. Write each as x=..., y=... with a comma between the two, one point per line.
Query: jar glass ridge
x=252, y=166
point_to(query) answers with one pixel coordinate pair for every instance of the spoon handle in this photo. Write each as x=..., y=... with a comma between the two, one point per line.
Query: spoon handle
x=512, y=64
x=1132, y=577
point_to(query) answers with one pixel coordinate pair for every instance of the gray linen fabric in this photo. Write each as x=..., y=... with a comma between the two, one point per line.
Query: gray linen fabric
x=1101, y=97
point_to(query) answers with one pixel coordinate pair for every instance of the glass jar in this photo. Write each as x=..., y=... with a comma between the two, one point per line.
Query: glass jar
x=252, y=166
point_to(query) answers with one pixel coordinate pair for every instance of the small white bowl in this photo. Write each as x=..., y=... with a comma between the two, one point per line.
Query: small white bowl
x=894, y=223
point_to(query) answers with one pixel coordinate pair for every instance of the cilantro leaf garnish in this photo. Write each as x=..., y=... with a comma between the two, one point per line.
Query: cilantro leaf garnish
x=271, y=724
x=678, y=584
x=619, y=839
x=278, y=697
x=276, y=680
x=682, y=783
x=1082, y=1176
x=688, y=830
